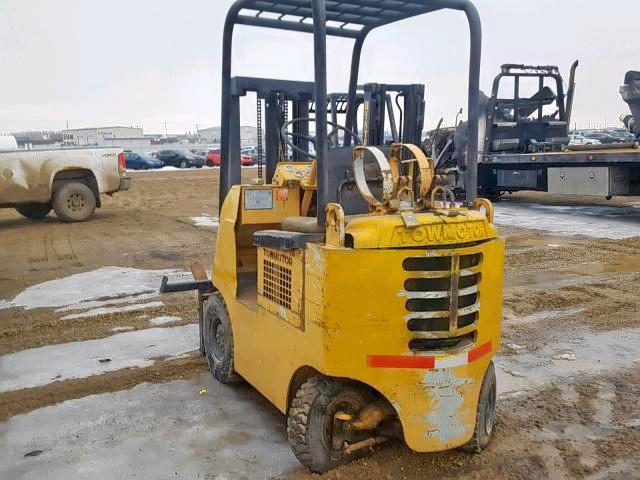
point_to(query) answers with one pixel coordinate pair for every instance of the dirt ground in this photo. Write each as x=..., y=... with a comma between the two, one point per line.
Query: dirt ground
x=557, y=289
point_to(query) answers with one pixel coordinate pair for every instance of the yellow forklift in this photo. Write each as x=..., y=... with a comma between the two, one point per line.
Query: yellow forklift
x=354, y=291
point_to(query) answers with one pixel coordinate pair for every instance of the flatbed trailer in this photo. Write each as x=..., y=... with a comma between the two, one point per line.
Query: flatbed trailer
x=595, y=171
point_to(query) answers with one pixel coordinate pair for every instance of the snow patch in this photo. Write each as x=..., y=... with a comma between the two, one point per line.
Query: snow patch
x=103, y=284
x=108, y=310
x=122, y=329
x=591, y=220
x=41, y=366
x=165, y=320
x=206, y=221
x=595, y=353
x=110, y=301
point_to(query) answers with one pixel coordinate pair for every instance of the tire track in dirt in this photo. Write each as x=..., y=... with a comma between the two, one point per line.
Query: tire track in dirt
x=26, y=400
x=21, y=329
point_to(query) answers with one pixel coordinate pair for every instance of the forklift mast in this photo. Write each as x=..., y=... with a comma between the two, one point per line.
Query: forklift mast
x=375, y=105
x=378, y=107
x=350, y=19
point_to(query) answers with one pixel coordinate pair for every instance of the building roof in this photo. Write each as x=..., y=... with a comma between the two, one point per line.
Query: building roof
x=99, y=128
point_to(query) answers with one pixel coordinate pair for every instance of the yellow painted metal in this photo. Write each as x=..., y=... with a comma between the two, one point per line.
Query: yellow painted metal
x=285, y=202
x=335, y=225
x=351, y=303
x=437, y=228
x=294, y=172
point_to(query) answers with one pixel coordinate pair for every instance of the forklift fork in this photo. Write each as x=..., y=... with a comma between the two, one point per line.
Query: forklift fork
x=202, y=284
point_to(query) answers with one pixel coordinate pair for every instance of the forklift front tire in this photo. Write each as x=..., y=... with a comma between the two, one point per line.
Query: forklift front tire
x=486, y=415
x=218, y=340
x=315, y=437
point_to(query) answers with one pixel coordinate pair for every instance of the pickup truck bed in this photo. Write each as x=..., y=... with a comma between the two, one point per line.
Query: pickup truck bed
x=69, y=181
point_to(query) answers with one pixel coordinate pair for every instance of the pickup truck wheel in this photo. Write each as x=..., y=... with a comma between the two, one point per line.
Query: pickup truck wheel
x=74, y=202
x=34, y=211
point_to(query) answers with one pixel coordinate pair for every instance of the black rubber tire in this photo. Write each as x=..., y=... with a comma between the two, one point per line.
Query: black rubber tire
x=486, y=414
x=74, y=202
x=218, y=340
x=183, y=164
x=34, y=211
x=209, y=163
x=311, y=413
x=144, y=166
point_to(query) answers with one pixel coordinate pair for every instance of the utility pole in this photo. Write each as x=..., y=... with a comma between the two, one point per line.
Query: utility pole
x=165, y=129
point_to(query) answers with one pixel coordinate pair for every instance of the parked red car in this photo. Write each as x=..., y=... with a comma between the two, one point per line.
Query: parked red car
x=213, y=159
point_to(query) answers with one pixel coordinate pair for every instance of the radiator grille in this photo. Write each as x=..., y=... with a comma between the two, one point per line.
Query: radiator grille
x=277, y=283
x=442, y=300
x=281, y=283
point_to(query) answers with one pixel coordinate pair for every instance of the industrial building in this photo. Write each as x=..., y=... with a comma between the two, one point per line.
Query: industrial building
x=248, y=135
x=127, y=138
x=96, y=136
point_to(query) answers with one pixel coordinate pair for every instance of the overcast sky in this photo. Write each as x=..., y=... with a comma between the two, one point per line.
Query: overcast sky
x=93, y=63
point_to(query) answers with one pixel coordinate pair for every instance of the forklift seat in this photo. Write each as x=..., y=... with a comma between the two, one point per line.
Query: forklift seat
x=301, y=225
x=281, y=240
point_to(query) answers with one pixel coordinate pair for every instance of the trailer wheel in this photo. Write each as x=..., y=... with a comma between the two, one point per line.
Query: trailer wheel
x=315, y=436
x=218, y=340
x=486, y=414
x=34, y=211
x=74, y=202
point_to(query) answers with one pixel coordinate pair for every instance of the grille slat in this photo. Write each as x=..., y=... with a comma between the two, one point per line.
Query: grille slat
x=442, y=294
x=443, y=314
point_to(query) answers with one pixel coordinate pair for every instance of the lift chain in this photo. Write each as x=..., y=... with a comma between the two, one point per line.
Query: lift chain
x=285, y=110
x=259, y=134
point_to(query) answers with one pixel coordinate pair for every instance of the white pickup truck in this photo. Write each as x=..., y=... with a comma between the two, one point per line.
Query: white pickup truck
x=69, y=181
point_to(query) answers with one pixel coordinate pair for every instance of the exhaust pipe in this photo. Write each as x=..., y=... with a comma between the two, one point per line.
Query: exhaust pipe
x=630, y=92
x=571, y=93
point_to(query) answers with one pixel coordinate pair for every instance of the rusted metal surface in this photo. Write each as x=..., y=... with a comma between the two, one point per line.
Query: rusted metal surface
x=371, y=416
x=368, y=443
x=197, y=270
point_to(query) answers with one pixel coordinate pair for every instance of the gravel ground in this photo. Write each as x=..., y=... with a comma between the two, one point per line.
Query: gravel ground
x=569, y=366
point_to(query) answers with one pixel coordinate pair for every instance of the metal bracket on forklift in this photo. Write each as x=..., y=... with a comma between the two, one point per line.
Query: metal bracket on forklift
x=203, y=286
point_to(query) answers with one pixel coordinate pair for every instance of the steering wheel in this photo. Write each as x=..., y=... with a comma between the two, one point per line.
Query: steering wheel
x=288, y=136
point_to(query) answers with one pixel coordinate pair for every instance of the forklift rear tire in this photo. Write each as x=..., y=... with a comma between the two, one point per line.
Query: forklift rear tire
x=314, y=435
x=218, y=340
x=486, y=415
